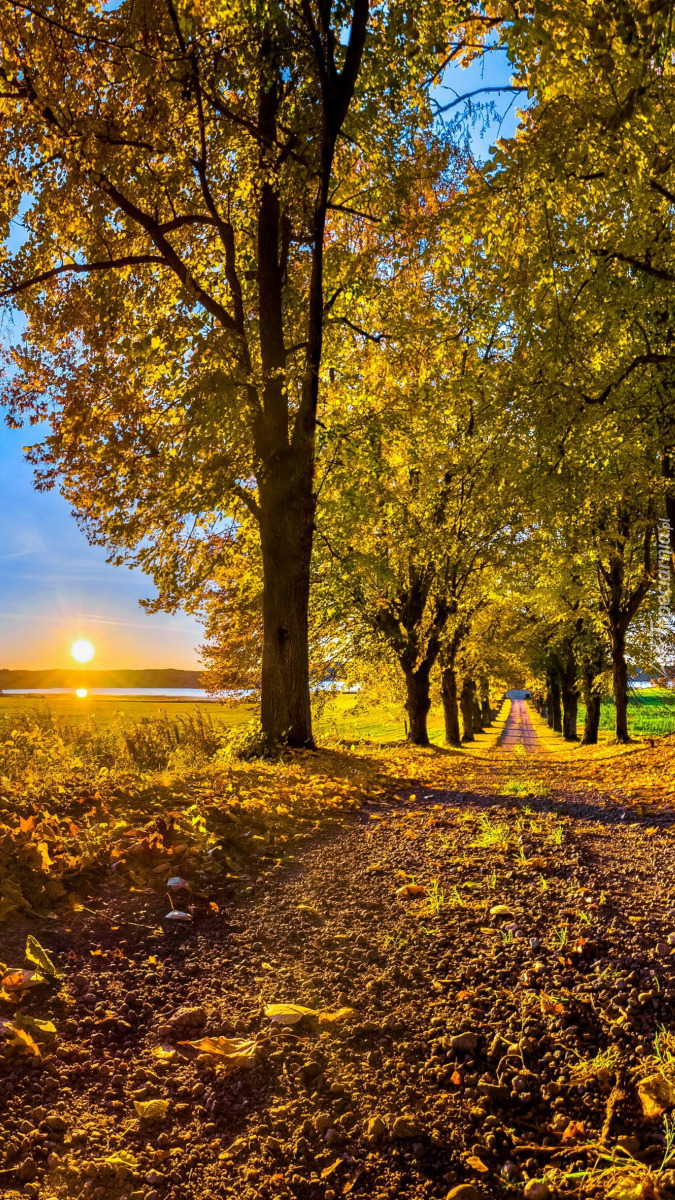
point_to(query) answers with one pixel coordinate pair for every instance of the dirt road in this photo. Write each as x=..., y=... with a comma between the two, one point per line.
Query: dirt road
x=508, y=952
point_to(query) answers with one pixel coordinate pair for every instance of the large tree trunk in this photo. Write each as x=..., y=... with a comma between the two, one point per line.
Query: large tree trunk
x=591, y=669
x=593, y=702
x=620, y=683
x=555, y=708
x=570, y=694
x=286, y=526
x=485, y=710
x=466, y=702
x=450, y=709
x=417, y=705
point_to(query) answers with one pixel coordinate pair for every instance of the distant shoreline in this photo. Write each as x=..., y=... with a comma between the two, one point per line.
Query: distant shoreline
x=71, y=678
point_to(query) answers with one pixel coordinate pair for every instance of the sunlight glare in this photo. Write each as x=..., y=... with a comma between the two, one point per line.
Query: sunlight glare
x=81, y=693
x=82, y=651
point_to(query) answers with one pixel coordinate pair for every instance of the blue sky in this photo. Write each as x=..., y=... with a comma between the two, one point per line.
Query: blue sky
x=55, y=587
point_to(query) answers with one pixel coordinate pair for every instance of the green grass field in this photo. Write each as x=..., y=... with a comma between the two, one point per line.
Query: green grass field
x=651, y=713
x=340, y=718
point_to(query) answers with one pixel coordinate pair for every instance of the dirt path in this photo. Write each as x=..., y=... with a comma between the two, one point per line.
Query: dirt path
x=519, y=730
x=509, y=955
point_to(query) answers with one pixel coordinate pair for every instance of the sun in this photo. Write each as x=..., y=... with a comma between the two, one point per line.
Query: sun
x=81, y=693
x=82, y=651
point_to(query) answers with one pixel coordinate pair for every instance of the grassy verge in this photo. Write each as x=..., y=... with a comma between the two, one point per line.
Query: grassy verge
x=651, y=713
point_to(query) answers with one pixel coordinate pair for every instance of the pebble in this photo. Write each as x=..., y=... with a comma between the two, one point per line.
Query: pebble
x=376, y=1127
x=536, y=1189
x=464, y=1042
x=465, y=1191
x=407, y=1127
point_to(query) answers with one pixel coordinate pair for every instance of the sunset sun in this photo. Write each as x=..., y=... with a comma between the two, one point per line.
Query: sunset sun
x=82, y=651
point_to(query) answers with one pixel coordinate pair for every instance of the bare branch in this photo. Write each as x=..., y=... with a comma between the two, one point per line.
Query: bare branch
x=441, y=108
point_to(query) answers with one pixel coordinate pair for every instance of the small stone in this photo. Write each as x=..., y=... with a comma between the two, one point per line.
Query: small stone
x=536, y=1189
x=464, y=1042
x=334, y=1137
x=497, y=1093
x=311, y=1069
x=465, y=1191
x=663, y=949
x=56, y=1122
x=322, y=1122
x=188, y=1018
x=407, y=1127
x=629, y=1143
x=27, y=1170
x=376, y=1127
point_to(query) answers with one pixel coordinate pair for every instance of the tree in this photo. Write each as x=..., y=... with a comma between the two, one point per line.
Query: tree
x=186, y=176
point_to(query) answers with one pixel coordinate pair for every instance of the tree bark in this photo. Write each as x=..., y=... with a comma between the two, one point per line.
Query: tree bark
x=570, y=693
x=417, y=705
x=593, y=665
x=485, y=710
x=555, y=707
x=450, y=710
x=466, y=702
x=286, y=527
x=620, y=683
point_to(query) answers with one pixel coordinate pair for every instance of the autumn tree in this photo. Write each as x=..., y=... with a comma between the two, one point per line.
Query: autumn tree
x=185, y=175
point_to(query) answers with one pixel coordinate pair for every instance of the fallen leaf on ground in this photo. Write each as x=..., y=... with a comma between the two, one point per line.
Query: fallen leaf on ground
x=288, y=1014
x=574, y=1131
x=164, y=1053
x=151, y=1110
x=548, y=1005
x=233, y=1051
x=18, y=1038
x=341, y=1014
x=657, y=1095
x=175, y=883
x=16, y=981
x=501, y=910
x=476, y=1164
x=121, y=1159
x=41, y=1030
x=38, y=956
x=411, y=889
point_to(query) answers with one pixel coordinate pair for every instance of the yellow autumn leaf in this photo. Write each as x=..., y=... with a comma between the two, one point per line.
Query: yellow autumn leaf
x=151, y=1110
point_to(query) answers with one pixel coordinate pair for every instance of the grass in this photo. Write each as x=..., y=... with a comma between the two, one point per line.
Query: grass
x=651, y=713
x=341, y=720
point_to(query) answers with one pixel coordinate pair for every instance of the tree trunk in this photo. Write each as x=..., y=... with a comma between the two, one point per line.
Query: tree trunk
x=620, y=683
x=570, y=694
x=555, y=707
x=592, y=699
x=417, y=705
x=450, y=709
x=466, y=705
x=485, y=710
x=286, y=526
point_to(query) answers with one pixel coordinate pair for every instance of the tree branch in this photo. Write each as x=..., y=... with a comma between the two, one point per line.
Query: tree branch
x=371, y=337
x=169, y=255
x=641, y=360
x=131, y=260
x=441, y=108
x=639, y=263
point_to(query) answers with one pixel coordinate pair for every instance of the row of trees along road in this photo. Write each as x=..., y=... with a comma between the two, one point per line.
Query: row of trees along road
x=356, y=400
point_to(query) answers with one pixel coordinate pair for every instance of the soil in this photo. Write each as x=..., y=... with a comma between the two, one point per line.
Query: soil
x=507, y=939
